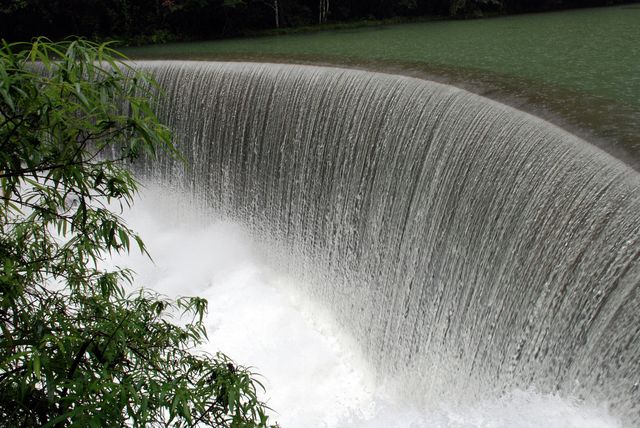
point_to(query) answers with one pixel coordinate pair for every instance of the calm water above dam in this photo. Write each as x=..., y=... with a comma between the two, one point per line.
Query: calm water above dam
x=579, y=69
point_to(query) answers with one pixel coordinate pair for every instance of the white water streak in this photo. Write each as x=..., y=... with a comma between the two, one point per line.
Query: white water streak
x=468, y=249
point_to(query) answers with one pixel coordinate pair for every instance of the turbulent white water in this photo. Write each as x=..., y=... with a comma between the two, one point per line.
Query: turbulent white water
x=313, y=378
x=468, y=250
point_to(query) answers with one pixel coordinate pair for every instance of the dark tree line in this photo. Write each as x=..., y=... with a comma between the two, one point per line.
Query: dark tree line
x=162, y=20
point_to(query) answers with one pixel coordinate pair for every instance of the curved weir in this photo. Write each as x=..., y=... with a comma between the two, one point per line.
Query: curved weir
x=469, y=248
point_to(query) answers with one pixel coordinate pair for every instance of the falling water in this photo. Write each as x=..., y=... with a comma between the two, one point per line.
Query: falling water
x=468, y=248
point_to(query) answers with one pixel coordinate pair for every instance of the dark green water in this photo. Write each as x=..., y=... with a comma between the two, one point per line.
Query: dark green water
x=579, y=69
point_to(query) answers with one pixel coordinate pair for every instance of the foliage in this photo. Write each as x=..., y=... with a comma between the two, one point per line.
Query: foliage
x=472, y=7
x=76, y=350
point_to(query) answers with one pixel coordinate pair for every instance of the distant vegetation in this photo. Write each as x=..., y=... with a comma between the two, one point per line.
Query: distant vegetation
x=156, y=21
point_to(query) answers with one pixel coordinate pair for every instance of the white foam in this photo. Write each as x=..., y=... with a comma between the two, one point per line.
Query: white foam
x=311, y=376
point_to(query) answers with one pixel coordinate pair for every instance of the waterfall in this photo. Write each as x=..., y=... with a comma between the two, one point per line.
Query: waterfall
x=469, y=248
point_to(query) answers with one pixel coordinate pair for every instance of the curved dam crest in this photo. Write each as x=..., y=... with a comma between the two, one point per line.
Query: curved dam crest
x=469, y=248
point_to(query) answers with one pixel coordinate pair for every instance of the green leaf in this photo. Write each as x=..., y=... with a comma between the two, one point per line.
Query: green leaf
x=36, y=365
x=80, y=95
x=7, y=99
x=72, y=341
